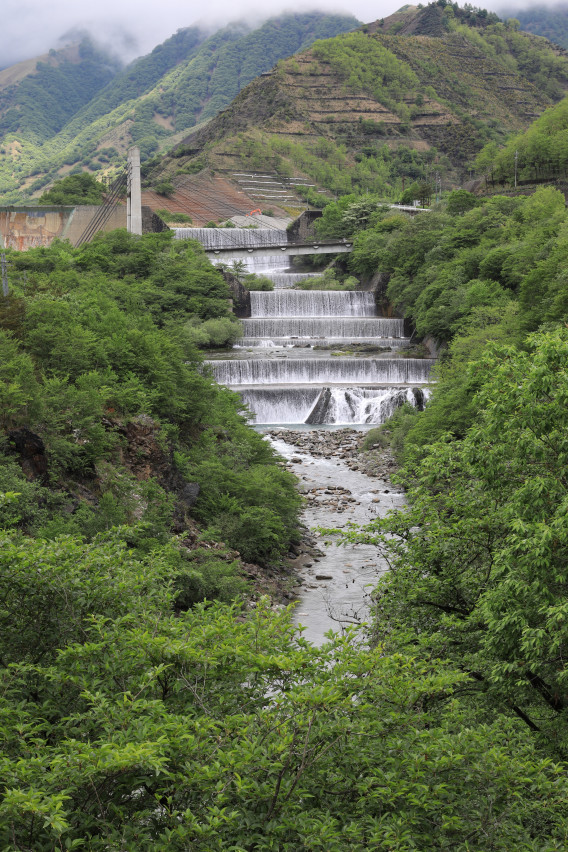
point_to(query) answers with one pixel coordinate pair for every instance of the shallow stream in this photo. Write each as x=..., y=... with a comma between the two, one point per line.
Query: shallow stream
x=337, y=585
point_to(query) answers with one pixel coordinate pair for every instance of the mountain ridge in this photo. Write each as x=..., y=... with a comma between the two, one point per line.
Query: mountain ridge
x=340, y=111
x=185, y=80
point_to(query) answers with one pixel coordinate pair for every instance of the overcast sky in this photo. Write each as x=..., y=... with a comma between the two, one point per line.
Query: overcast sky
x=133, y=27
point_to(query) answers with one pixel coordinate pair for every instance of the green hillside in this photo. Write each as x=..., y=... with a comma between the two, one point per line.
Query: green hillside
x=38, y=100
x=407, y=97
x=154, y=101
x=540, y=153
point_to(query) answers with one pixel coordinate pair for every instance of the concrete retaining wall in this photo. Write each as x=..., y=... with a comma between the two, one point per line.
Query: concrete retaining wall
x=23, y=228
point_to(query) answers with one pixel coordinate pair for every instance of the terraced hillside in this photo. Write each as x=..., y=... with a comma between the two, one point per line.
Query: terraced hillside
x=363, y=110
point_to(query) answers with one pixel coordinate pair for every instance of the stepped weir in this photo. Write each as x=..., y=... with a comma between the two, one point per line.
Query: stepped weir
x=285, y=367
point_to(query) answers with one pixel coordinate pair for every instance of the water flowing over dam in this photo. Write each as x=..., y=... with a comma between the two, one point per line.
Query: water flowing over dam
x=302, y=371
x=228, y=238
x=286, y=373
x=319, y=359
x=284, y=365
x=315, y=303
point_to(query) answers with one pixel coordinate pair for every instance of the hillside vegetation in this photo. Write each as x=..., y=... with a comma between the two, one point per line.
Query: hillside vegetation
x=37, y=105
x=185, y=80
x=539, y=154
x=100, y=372
x=137, y=712
x=363, y=110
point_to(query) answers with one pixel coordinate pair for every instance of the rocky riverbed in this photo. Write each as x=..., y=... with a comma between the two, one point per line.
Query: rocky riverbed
x=342, y=485
x=343, y=445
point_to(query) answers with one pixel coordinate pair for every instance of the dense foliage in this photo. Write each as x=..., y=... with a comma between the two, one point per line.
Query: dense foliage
x=478, y=559
x=538, y=155
x=74, y=189
x=101, y=337
x=214, y=729
x=467, y=272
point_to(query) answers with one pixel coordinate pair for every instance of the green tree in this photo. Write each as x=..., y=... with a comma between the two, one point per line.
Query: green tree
x=215, y=729
x=478, y=558
x=74, y=189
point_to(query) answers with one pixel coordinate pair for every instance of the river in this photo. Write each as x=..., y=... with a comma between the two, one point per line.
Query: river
x=336, y=586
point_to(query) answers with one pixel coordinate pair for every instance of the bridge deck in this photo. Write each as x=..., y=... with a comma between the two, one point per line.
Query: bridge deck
x=287, y=249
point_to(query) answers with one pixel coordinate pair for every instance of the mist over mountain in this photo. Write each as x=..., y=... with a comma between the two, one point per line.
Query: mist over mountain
x=548, y=21
x=130, y=29
x=52, y=121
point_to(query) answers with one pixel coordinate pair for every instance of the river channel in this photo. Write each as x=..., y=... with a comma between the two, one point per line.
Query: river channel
x=311, y=362
x=336, y=585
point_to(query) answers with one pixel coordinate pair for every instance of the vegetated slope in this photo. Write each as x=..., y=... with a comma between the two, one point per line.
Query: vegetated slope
x=540, y=154
x=39, y=96
x=552, y=23
x=187, y=79
x=108, y=417
x=361, y=110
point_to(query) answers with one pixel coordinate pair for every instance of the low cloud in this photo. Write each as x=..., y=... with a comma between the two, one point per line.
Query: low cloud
x=31, y=27
x=134, y=27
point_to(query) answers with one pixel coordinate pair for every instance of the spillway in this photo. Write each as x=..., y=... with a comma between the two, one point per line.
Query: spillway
x=347, y=328
x=227, y=238
x=318, y=406
x=315, y=303
x=287, y=374
x=301, y=371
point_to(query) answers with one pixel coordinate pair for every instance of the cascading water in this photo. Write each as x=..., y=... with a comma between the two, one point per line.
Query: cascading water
x=346, y=328
x=277, y=267
x=289, y=279
x=316, y=387
x=304, y=371
x=227, y=238
x=340, y=406
x=316, y=303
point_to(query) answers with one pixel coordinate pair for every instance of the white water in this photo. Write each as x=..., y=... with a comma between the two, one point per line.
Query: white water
x=322, y=371
x=317, y=406
x=311, y=388
x=328, y=342
x=349, y=328
x=317, y=303
x=289, y=279
x=226, y=238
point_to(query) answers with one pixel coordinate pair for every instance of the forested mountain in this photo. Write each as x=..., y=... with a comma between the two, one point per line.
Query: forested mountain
x=415, y=94
x=185, y=80
x=38, y=97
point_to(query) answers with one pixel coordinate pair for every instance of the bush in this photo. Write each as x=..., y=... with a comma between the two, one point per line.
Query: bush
x=165, y=188
x=220, y=332
x=257, y=282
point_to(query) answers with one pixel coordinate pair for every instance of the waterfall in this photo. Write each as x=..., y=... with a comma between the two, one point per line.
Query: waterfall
x=289, y=279
x=339, y=406
x=226, y=238
x=315, y=303
x=349, y=328
x=328, y=342
x=298, y=383
x=251, y=371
